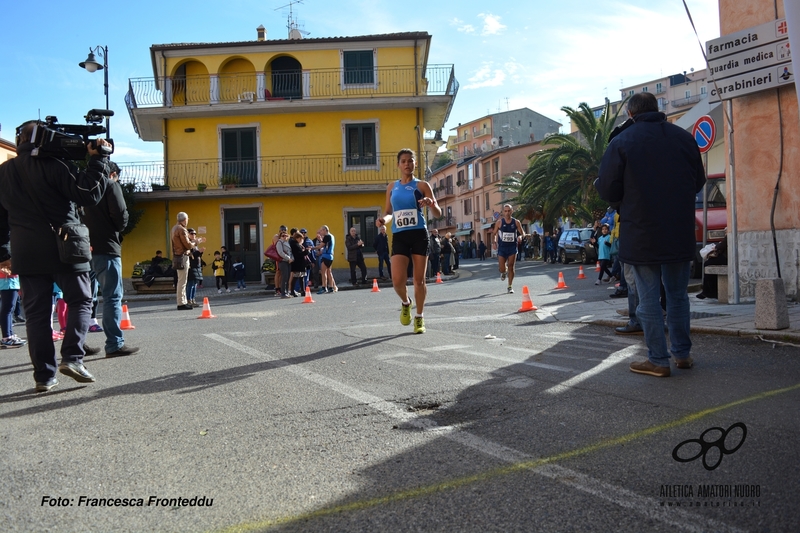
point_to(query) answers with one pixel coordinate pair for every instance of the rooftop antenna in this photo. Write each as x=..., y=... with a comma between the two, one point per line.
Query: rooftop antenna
x=291, y=23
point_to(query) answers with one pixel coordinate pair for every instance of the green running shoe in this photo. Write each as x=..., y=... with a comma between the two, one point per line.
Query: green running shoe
x=419, y=324
x=405, y=312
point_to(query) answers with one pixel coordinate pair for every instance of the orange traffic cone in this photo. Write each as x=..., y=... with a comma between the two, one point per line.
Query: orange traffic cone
x=206, y=309
x=597, y=268
x=581, y=275
x=125, y=323
x=375, y=285
x=308, y=299
x=561, y=284
x=527, y=303
x=439, y=277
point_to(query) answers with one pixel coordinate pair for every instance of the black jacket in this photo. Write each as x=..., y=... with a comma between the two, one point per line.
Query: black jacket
x=653, y=168
x=106, y=220
x=25, y=234
x=381, y=243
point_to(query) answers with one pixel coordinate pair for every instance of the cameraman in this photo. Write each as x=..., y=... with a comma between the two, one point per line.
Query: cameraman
x=28, y=248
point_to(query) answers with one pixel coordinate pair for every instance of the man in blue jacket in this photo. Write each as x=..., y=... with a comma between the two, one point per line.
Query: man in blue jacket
x=653, y=170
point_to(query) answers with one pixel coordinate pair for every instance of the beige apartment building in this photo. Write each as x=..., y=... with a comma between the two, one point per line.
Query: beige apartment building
x=676, y=94
x=468, y=192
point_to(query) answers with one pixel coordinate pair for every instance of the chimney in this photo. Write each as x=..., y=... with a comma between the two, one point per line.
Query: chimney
x=262, y=33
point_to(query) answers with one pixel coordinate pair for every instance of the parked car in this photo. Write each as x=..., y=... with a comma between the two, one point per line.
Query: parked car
x=717, y=218
x=576, y=244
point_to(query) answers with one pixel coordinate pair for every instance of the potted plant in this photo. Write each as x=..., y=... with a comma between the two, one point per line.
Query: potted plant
x=229, y=181
x=201, y=187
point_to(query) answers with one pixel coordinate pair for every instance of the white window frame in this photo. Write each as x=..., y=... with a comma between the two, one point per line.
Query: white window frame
x=377, y=125
x=257, y=126
x=346, y=86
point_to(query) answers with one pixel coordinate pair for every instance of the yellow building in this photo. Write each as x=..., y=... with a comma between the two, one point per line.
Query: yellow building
x=300, y=132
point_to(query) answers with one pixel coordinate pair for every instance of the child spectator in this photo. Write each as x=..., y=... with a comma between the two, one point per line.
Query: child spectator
x=238, y=274
x=60, y=308
x=9, y=294
x=604, y=254
x=194, y=277
x=219, y=273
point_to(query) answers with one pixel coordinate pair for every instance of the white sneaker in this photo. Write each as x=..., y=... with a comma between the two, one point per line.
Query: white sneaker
x=219, y=291
x=227, y=290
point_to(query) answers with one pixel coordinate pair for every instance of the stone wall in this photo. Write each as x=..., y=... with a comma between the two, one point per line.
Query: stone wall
x=757, y=261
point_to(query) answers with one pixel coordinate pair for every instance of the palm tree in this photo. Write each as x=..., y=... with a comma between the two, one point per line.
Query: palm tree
x=559, y=181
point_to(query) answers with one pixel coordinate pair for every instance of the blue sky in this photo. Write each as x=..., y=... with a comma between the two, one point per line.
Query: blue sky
x=507, y=55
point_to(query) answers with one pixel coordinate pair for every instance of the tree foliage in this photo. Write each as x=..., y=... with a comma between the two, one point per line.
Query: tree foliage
x=559, y=181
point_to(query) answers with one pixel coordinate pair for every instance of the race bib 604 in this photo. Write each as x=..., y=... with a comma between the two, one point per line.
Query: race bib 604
x=405, y=218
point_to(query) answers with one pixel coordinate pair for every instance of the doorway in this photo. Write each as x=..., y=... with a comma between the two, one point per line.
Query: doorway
x=242, y=238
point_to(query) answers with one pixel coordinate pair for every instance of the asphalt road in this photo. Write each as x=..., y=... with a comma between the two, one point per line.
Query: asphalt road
x=331, y=416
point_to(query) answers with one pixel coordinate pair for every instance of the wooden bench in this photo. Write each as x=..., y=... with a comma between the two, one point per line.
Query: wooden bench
x=721, y=271
x=161, y=285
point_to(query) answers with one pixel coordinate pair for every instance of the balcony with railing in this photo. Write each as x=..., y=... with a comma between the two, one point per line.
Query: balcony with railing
x=276, y=86
x=443, y=222
x=444, y=191
x=689, y=100
x=149, y=100
x=264, y=172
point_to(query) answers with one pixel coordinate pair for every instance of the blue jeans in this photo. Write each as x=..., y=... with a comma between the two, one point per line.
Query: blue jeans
x=191, y=289
x=108, y=269
x=7, y=303
x=675, y=277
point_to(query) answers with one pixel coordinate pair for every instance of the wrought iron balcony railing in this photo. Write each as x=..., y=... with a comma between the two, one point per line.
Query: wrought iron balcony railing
x=267, y=171
x=435, y=80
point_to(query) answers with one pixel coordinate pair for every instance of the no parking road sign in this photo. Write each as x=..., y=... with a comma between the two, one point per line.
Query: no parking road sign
x=704, y=132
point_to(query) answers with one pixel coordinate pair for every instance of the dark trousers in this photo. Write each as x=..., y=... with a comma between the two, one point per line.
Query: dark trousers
x=384, y=258
x=38, y=304
x=361, y=265
x=435, y=264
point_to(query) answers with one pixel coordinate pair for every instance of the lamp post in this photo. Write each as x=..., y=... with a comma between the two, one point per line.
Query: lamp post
x=92, y=65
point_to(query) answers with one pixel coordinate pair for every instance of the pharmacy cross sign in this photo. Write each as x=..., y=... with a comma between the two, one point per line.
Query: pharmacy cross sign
x=704, y=131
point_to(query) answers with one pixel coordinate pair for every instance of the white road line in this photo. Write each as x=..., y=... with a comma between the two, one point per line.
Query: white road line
x=618, y=495
x=518, y=362
x=445, y=347
x=608, y=362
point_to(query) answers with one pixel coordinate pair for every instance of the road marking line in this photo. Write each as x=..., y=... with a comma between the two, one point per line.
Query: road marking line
x=445, y=347
x=519, y=460
x=608, y=362
x=518, y=362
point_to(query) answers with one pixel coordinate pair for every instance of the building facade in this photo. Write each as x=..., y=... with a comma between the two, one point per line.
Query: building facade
x=469, y=191
x=509, y=128
x=300, y=132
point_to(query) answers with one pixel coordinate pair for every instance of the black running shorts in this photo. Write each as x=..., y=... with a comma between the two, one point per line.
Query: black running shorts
x=412, y=241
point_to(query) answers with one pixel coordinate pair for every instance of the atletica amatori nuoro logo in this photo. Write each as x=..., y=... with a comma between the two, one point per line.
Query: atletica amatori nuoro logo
x=681, y=452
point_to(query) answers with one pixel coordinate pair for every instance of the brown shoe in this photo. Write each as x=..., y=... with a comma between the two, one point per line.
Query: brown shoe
x=646, y=367
x=685, y=363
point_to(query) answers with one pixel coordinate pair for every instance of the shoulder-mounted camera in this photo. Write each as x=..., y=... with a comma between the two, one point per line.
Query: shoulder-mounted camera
x=68, y=141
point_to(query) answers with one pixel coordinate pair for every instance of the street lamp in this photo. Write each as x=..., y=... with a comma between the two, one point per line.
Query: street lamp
x=92, y=65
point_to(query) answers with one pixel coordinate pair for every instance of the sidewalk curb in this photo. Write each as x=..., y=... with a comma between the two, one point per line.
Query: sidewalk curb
x=780, y=335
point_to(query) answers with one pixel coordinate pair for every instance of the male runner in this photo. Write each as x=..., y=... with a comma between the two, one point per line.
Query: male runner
x=506, y=231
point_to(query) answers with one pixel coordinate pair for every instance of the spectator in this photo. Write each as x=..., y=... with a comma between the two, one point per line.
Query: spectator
x=195, y=277
x=381, y=246
x=435, y=253
x=298, y=266
x=105, y=221
x=239, y=274
x=182, y=246
x=355, y=256
x=653, y=170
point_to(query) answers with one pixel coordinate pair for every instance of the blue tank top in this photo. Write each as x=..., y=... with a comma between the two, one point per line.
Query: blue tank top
x=327, y=251
x=507, y=236
x=406, y=212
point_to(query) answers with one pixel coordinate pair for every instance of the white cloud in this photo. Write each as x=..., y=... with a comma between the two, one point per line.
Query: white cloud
x=486, y=76
x=491, y=24
x=461, y=26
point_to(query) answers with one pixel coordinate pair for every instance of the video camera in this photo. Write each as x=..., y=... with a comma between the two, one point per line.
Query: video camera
x=68, y=141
